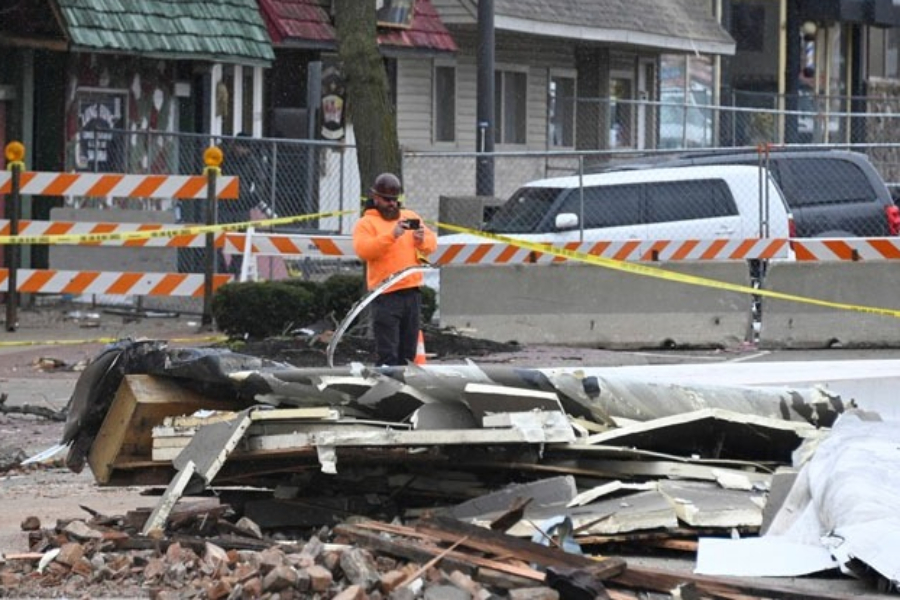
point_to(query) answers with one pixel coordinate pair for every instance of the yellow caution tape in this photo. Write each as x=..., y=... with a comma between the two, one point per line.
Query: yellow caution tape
x=159, y=233
x=648, y=271
x=108, y=340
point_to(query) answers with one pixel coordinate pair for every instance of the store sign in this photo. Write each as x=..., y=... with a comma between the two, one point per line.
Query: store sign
x=98, y=113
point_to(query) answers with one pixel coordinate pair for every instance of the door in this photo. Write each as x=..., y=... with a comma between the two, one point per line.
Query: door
x=646, y=113
x=623, y=111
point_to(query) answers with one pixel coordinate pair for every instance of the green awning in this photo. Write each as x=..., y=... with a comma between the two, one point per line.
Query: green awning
x=230, y=31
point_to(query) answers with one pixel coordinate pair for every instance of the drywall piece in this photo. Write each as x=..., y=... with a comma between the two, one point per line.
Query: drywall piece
x=486, y=399
x=644, y=510
x=706, y=505
x=210, y=447
x=550, y=492
x=609, y=488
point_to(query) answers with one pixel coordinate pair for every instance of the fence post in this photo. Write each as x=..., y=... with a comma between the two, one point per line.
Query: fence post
x=212, y=158
x=15, y=154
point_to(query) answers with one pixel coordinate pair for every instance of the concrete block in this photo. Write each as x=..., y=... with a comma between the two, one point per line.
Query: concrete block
x=569, y=303
x=466, y=211
x=788, y=324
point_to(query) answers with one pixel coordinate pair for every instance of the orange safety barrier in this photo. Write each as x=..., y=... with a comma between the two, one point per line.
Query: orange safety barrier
x=118, y=185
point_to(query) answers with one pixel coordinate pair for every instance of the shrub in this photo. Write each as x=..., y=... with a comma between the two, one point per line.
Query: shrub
x=429, y=304
x=260, y=310
x=340, y=292
x=271, y=308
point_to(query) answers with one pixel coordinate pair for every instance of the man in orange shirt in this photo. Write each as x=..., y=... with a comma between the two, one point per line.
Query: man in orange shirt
x=390, y=238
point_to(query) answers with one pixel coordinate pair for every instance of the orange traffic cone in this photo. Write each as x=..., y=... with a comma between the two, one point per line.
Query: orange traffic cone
x=420, y=350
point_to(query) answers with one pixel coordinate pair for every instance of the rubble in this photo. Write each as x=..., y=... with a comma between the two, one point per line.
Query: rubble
x=424, y=481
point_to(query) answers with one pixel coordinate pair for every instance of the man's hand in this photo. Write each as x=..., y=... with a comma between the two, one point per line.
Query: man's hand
x=399, y=229
x=419, y=235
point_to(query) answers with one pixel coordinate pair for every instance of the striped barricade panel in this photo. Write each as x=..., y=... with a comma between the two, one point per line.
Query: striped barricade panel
x=49, y=281
x=338, y=247
x=628, y=250
x=846, y=249
x=29, y=228
x=118, y=185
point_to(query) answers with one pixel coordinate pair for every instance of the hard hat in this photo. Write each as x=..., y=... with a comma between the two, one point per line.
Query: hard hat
x=387, y=185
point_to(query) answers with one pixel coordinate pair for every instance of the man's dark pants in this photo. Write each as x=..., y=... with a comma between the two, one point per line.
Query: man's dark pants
x=395, y=323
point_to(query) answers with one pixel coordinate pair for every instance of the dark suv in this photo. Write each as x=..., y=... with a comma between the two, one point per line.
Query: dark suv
x=830, y=193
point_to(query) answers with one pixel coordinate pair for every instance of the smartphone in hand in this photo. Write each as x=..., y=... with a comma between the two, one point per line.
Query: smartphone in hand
x=412, y=224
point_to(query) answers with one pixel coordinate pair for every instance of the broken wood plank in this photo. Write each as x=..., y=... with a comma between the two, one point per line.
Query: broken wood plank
x=651, y=536
x=502, y=544
x=664, y=581
x=555, y=430
x=30, y=409
x=157, y=519
x=418, y=552
x=140, y=403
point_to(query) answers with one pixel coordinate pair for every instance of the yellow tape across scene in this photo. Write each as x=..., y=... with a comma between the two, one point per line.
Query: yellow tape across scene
x=159, y=233
x=107, y=340
x=648, y=271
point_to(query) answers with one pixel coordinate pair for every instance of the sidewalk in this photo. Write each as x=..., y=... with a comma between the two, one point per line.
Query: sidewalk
x=68, y=323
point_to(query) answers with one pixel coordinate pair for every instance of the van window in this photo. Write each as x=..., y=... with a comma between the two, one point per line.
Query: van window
x=607, y=205
x=525, y=211
x=688, y=200
x=817, y=181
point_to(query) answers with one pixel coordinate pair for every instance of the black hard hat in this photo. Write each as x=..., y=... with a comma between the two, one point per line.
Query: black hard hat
x=387, y=185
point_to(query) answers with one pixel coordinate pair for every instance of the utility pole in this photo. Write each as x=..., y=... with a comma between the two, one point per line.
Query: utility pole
x=484, y=169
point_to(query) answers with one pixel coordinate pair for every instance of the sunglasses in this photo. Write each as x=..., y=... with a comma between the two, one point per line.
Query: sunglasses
x=385, y=199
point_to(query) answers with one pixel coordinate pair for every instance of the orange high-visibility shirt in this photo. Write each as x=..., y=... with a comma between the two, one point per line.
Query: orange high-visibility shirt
x=374, y=242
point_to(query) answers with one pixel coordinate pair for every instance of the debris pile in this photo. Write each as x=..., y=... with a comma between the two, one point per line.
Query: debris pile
x=387, y=481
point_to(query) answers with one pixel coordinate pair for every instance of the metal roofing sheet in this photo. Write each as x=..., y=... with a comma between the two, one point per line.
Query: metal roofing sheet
x=308, y=22
x=225, y=30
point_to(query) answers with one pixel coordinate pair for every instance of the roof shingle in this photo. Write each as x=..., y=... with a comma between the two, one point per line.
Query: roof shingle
x=224, y=30
x=671, y=23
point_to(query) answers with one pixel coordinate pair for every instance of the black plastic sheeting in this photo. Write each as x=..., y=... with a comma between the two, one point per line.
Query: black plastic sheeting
x=95, y=389
x=205, y=370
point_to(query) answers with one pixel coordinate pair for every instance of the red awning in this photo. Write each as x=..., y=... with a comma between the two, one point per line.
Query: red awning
x=307, y=24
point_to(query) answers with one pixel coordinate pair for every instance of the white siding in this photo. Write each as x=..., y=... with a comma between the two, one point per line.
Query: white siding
x=427, y=179
x=414, y=105
x=457, y=11
x=466, y=103
x=538, y=54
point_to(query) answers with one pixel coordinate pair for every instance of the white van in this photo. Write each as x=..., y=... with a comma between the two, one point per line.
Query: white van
x=682, y=203
x=702, y=202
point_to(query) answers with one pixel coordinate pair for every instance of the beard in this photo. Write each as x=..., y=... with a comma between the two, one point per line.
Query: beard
x=389, y=213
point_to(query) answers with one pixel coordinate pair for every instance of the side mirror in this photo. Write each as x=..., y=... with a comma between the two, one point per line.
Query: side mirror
x=566, y=221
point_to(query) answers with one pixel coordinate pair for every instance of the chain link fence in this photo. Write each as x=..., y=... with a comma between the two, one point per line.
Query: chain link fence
x=278, y=178
x=295, y=177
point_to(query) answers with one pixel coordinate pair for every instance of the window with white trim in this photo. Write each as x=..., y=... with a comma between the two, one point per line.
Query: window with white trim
x=444, y=103
x=510, y=107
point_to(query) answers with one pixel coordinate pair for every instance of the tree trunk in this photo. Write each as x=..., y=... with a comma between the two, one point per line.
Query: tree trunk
x=369, y=106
